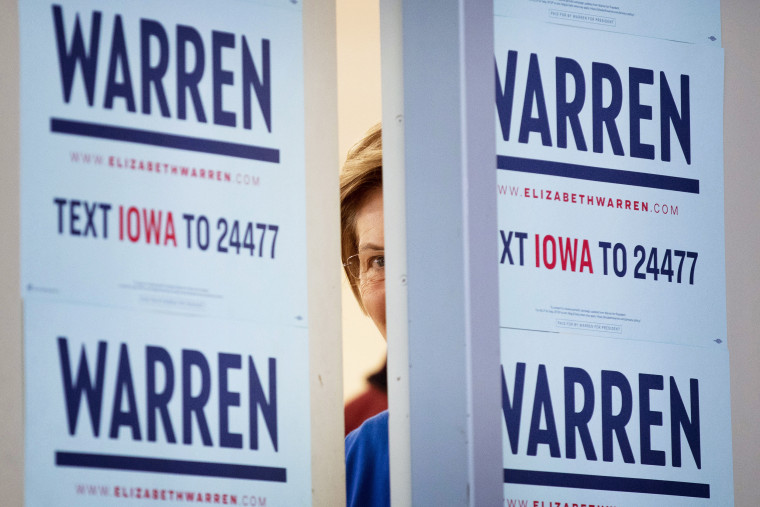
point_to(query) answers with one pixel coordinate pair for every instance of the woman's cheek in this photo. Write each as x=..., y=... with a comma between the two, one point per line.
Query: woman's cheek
x=373, y=297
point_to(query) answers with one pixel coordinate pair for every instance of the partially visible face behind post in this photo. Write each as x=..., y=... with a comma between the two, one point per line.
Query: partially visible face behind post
x=370, y=236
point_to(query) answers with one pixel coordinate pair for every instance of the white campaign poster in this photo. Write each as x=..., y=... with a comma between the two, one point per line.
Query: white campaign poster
x=610, y=185
x=674, y=20
x=127, y=405
x=162, y=156
x=163, y=253
x=615, y=383
x=594, y=421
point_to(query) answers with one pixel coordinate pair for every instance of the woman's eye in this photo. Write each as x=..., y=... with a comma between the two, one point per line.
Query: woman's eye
x=378, y=262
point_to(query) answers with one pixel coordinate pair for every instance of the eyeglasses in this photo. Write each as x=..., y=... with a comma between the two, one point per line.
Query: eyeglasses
x=367, y=266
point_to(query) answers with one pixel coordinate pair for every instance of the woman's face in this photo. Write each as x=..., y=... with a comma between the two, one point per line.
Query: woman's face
x=370, y=236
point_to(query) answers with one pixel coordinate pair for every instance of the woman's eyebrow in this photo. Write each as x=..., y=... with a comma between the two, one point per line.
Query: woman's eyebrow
x=370, y=246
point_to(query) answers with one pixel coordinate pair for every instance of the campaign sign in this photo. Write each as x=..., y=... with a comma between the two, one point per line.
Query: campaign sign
x=589, y=421
x=163, y=253
x=128, y=405
x=675, y=20
x=162, y=158
x=610, y=184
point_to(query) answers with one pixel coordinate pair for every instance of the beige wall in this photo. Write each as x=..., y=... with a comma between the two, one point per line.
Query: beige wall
x=358, y=109
x=741, y=41
x=11, y=408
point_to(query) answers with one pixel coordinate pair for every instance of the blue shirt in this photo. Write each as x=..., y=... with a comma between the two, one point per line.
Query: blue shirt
x=367, y=464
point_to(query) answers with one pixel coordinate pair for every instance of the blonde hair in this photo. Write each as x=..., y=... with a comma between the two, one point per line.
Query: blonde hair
x=362, y=173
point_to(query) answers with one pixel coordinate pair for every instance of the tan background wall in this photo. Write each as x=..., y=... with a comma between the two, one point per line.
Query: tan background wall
x=11, y=414
x=741, y=41
x=359, y=107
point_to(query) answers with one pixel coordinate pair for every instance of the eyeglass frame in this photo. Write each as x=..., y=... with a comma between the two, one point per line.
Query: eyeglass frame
x=358, y=277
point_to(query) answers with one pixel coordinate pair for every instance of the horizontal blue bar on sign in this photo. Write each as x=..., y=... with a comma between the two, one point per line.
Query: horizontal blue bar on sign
x=604, y=483
x=130, y=135
x=170, y=466
x=604, y=175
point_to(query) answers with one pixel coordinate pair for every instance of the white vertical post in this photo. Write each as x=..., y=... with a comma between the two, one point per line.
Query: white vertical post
x=447, y=205
x=394, y=211
x=323, y=240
